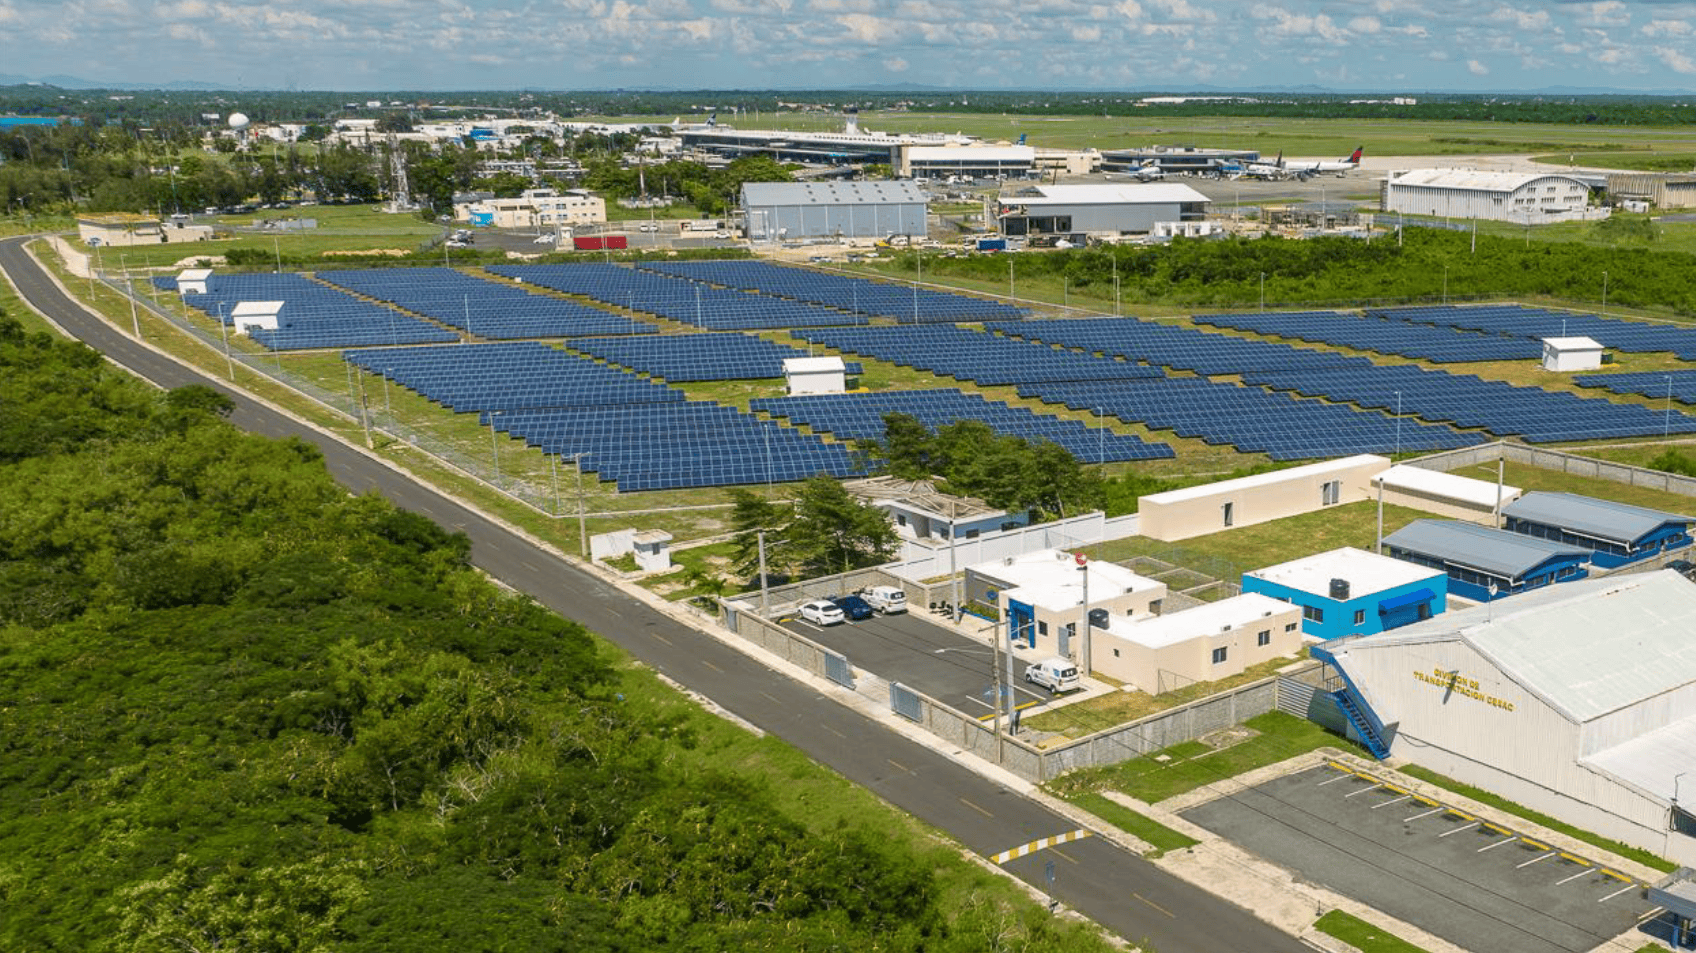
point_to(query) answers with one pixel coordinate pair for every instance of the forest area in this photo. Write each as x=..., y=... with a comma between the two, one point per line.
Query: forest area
x=247, y=711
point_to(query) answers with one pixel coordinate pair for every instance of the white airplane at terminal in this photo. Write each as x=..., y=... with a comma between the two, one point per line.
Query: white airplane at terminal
x=1267, y=170
x=1305, y=169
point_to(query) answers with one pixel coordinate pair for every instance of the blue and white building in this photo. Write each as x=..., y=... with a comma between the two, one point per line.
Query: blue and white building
x=1617, y=534
x=1483, y=563
x=1350, y=591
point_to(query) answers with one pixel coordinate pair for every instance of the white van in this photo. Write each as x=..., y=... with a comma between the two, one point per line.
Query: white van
x=1055, y=674
x=888, y=600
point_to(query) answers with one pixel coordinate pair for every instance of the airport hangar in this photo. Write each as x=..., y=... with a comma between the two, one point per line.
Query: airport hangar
x=1098, y=209
x=1578, y=701
x=1525, y=198
x=779, y=211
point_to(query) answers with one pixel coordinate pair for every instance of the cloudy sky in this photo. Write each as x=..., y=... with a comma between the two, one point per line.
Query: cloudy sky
x=1388, y=45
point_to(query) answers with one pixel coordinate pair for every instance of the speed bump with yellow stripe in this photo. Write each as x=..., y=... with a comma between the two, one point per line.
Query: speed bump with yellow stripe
x=1025, y=850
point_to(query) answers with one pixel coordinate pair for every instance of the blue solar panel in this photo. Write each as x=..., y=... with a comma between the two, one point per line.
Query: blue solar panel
x=1538, y=323
x=696, y=357
x=688, y=302
x=975, y=356
x=313, y=315
x=860, y=295
x=484, y=308
x=860, y=417
x=1440, y=345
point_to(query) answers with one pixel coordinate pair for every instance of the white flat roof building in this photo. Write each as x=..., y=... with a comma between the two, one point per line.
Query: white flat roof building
x=1098, y=209
x=1041, y=596
x=1445, y=494
x=1201, y=644
x=1245, y=501
x=1365, y=571
x=1571, y=354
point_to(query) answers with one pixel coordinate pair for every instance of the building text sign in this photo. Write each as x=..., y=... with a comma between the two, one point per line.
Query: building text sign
x=1451, y=681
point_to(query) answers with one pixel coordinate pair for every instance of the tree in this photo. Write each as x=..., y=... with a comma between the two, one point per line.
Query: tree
x=750, y=515
x=832, y=532
x=907, y=447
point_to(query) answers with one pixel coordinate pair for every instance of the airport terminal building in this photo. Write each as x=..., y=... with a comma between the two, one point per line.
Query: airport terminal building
x=1578, y=701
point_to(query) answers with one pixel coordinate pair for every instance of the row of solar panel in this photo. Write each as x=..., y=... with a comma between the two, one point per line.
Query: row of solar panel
x=1537, y=323
x=697, y=357
x=860, y=295
x=967, y=355
x=1381, y=335
x=860, y=417
x=1672, y=385
x=313, y=315
x=676, y=299
x=488, y=309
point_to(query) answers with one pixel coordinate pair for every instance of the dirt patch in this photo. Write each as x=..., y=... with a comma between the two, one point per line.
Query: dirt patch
x=1226, y=737
x=391, y=252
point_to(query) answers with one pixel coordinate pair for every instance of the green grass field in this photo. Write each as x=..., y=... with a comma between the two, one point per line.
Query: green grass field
x=1149, y=830
x=1361, y=935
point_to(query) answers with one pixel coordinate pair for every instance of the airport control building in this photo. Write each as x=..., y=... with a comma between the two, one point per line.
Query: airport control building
x=1578, y=701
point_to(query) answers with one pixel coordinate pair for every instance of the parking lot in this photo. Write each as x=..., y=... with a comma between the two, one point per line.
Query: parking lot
x=933, y=659
x=1477, y=884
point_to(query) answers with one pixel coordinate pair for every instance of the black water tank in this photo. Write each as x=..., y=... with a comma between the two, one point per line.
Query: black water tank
x=1340, y=590
x=1098, y=618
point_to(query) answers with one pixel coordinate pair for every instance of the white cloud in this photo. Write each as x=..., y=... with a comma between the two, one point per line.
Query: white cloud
x=1476, y=68
x=1534, y=21
x=866, y=28
x=1366, y=25
x=1608, y=13
x=1665, y=28
x=895, y=64
x=1677, y=60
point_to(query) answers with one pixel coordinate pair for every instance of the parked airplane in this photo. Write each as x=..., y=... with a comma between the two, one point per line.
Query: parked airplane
x=1148, y=172
x=1303, y=170
x=1267, y=170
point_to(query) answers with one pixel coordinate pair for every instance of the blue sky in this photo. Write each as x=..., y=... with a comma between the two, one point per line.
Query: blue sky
x=1387, y=45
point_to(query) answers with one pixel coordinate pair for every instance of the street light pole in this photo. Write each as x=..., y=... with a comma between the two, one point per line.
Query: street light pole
x=1398, y=423
x=129, y=292
x=582, y=517
x=1263, y=291
x=1083, y=663
x=1604, y=294
x=1666, y=418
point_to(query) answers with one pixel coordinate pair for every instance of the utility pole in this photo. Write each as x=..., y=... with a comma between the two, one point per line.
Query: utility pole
x=1083, y=665
x=129, y=292
x=765, y=588
x=582, y=517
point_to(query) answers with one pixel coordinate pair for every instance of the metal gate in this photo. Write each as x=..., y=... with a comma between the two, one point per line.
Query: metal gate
x=905, y=702
x=837, y=669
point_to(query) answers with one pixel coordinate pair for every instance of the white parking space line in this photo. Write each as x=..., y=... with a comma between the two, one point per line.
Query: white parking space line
x=1364, y=790
x=1435, y=810
x=1536, y=859
x=1581, y=873
x=1459, y=829
x=1625, y=889
x=1340, y=777
x=1653, y=913
x=1499, y=843
x=1397, y=800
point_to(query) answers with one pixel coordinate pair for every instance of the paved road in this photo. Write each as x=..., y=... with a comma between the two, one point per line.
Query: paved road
x=1114, y=887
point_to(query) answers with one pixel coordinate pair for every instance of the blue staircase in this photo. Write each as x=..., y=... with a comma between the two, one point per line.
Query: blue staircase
x=1365, y=721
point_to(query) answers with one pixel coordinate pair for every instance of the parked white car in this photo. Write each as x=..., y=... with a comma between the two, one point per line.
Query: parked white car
x=822, y=612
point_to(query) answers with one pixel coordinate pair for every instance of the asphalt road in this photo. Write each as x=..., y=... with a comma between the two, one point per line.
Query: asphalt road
x=1114, y=887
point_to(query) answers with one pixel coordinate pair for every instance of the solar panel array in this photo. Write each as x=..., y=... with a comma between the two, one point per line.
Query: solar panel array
x=860, y=417
x=1382, y=335
x=1251, y=419
x=642, y=435
x=1679, y=385
x=690, y=302
x=679, y=358
x=313, y=315
x=1466, y=400
x=509, y=376
x=975, y=356
x=861, y=295
x=1535, y=415
x=671, y=446
x=1633, y=336
x=487, y=309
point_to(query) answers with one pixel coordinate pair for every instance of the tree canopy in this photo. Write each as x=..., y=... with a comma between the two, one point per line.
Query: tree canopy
x=245, y=710
x=1003, y=470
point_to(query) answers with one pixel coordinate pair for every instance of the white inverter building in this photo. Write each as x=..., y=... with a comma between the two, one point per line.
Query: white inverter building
x=1525, y=198
x=1578, y=701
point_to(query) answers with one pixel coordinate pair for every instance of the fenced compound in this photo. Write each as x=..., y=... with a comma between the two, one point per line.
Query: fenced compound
x=1558, y=460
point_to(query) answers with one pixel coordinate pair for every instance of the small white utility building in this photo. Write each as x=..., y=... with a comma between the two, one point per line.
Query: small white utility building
x=922, y=513
x=193, y=281
x=815, y=375
x=1578, y=701
x=1202, y=644
x=1571, y=354
x=1526, y=198
x=248, y=315
x=1211, y=507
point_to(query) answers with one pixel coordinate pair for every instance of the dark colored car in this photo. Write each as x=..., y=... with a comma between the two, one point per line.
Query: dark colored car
x=853, y=607
x=1683, y=567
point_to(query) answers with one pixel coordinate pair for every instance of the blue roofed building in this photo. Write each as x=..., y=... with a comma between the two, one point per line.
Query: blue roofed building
x=1350, y=591
x=1617, y=534
x=1483, y=563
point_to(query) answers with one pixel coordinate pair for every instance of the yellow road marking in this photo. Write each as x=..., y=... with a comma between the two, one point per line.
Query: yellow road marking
x=1616, y=875
x=1040, y=844
x=1065, y=855
x=1534, y=843
x=899, y=765
x=712, y=666
x=1576, y=860
x=975, y=807
x=1154, y=905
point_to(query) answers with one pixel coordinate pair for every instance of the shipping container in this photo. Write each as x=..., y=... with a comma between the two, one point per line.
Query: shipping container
x=586, y=242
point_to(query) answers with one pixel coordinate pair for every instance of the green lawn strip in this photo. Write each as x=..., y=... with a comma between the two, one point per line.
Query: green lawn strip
x=1637, y=854
x=1147, y=829
x=1158, y=776
x=1228, y=554
x=1361, y=935
x=1116, y=708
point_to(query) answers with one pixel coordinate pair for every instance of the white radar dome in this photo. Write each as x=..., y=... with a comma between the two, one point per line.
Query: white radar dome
x=238, y=121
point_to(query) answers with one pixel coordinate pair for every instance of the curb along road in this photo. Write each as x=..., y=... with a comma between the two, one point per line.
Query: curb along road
x=1104, y=881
